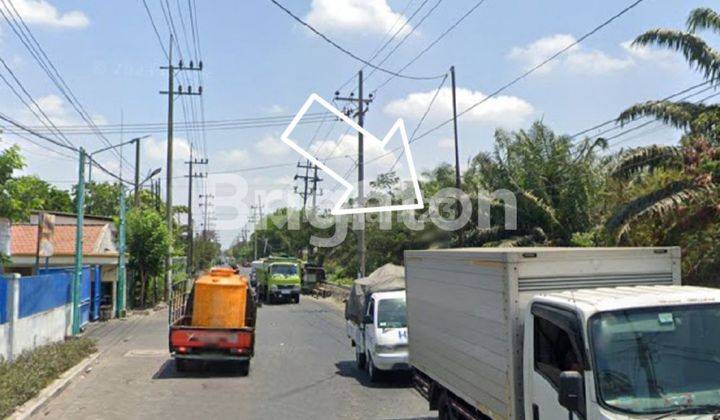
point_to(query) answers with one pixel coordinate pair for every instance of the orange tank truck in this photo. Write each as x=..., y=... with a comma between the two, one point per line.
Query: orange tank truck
x=218, y=323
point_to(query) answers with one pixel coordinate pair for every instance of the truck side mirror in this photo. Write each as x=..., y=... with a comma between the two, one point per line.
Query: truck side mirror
x=571, y=390
x=367, y=319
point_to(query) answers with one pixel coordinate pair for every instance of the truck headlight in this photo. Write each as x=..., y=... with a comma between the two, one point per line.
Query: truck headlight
x=274, y=288
x=296, y=289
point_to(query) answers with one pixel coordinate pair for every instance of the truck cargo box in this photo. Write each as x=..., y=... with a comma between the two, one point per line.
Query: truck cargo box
x=464, y=309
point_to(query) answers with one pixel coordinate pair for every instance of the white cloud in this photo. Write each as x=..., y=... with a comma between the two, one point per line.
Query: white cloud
x=577, y=59
x=646, y=53
x=57, y=109
x=446, y=143
x=270, y=146
x=596, y=63
x=355, y=16
x=157, y=149
x=347, y=145
x=538, y=51
x=235, y=156
x=506, y=111
x=41, y=12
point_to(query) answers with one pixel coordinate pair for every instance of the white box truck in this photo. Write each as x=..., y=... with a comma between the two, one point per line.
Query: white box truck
x=558, y=333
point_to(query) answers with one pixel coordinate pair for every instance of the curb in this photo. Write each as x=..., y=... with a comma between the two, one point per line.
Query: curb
x=51, y=391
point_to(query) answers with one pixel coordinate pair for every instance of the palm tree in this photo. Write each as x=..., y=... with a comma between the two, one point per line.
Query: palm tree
x=684, y=196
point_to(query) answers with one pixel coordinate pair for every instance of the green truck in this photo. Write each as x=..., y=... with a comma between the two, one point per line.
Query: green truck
x=278, y=279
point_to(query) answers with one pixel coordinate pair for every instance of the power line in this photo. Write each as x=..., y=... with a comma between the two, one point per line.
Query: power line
x=347, y=52
x=614, y=120
x=536, y=67
x=435, y=41
x=54, y=75
x=155, y=28
x=392, y=38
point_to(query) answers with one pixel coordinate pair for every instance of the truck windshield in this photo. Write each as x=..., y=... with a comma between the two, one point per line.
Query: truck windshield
x=657, y=359
x=391, y=313
x=284, y=269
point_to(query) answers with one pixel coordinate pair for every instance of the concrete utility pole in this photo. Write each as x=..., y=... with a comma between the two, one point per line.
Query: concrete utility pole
x=79, y=223
x=307, y=179
x=362, y=104
x=171, y=92
x=255, y=218
x=206, y=212
x=191, y=229
x=315, y=194
x=458, y=184
x=122, y=275
x=137, y=173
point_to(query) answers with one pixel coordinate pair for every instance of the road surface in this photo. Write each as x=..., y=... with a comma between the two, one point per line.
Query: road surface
x=303, y=368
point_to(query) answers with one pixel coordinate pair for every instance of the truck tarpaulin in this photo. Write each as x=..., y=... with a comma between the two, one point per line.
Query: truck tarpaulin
x=387, y=278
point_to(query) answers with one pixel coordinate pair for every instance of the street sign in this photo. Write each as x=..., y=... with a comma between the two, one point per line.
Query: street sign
x=46, y=249
x=5, y=242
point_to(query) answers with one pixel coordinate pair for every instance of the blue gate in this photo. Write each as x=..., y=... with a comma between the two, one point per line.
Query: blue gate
x=85, y=298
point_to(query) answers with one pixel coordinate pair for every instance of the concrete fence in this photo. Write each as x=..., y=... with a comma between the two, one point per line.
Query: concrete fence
x=34, y=311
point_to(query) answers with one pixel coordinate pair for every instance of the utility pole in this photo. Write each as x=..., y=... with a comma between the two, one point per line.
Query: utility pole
x=191, y=229
x=307, y=179
x=171, y=92
x=458, y=184
x=137, y=173
x=79, y=223
x=315, y=181
x=122, y=275
x=257, y=211
x=205, y=212
x=362, y=108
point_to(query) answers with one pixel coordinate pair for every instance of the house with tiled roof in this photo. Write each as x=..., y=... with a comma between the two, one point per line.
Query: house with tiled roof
x=99, y=246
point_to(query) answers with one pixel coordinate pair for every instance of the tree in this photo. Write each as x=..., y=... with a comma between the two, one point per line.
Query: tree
x=101, y=198
x=147, y=244
x=674, y=185
x=556, y=182
x=10, y=206
x=206, y=250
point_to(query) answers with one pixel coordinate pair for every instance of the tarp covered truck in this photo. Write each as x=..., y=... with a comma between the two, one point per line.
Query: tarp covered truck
x=218, y=322
x=376, y=321
x=558, y=333
x=279, y=279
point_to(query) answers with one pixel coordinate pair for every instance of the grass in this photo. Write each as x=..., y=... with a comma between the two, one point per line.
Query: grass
x=34, y=370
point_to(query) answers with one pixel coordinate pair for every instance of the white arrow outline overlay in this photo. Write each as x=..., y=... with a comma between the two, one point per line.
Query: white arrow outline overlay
x=338, y=209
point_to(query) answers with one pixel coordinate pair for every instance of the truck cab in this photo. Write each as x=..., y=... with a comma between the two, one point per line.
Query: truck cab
x=381, y=341
x=279, y=279
x=622, y=353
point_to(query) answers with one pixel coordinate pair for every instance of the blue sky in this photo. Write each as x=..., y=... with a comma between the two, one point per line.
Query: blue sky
x=258, y=62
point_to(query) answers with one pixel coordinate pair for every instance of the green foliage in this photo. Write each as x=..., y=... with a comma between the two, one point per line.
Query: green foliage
x=10, y=206
x=101, y=198
x=34, y=370
x=206, y=251
x=148, y=240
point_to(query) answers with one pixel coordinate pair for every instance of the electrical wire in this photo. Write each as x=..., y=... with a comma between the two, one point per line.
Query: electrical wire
x=536, y=67
x=433, y=43
x=348, y=52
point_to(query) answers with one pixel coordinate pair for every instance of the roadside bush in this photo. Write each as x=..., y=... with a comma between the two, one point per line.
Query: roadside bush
x=34, y=370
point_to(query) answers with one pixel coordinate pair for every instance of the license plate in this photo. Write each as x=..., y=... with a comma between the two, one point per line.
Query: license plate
x=286, y=292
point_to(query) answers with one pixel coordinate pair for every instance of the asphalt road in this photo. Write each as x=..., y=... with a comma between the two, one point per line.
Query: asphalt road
x=303, y=368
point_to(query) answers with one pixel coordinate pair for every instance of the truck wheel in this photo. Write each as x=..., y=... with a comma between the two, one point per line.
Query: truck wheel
x=373, y=372
x=359, y=358
x=296, y=299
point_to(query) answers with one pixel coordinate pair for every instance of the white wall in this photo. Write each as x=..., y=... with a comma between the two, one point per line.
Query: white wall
x=42, y=328
x=4, y=338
